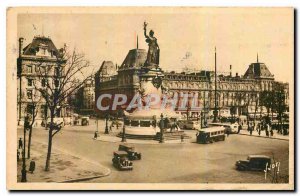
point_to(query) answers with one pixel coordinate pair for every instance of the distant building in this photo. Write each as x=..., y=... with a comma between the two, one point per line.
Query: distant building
x=85, y=98
x=35, y=59
x=235, y=94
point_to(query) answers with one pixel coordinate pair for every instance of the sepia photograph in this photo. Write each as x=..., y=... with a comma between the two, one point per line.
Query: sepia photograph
x=150, y=98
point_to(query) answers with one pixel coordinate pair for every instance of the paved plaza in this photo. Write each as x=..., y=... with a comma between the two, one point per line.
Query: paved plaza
x=186, y=162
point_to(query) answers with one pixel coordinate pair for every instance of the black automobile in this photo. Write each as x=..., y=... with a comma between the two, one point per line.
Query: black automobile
x=130, y=150
x=254, y=162
x=121, y=162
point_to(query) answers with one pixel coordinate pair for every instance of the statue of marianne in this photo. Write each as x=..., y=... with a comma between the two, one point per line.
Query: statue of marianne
x=153, y=51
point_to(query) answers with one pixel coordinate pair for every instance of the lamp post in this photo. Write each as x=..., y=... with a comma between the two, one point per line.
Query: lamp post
x=215, y=109
x=123, y=135
x=26, y=126
x=162, y=139
x=201, y=119
x=106, y=126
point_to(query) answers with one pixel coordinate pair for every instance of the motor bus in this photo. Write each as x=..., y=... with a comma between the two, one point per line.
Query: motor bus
x=210, y=135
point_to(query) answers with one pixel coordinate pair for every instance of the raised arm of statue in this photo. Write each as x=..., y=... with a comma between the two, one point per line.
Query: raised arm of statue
x=145, y=29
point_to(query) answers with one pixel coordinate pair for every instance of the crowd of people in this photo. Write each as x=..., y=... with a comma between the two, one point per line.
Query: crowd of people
x=263, y=126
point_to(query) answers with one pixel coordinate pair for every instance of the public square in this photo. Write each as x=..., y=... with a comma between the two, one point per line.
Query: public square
x=176, y=162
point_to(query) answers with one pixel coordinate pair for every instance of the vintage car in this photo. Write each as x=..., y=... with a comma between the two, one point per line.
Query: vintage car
x=130, y=150
x=253, y=162
x=85, y=121
x=121, y=162
x=230, y=128
x=188, y=124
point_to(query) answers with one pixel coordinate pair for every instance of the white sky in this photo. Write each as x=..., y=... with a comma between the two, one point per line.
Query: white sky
x=238, y=35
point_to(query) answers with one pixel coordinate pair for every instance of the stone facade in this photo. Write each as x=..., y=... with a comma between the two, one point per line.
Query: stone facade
x=37, y=58
x=240, y=92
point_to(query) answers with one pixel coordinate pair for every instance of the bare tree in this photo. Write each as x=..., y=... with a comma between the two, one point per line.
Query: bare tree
x=32, y=110
x=57, y=82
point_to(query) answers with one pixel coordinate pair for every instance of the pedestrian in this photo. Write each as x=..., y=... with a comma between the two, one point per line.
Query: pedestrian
x=259, y=129
x=267, y=130
x=20, y=143
x=110, y=127
x=227, y=132
x=32, y=166
x=18, y=155
x=250, y=129
x=239, y=128
x=271, y=130
x=96, y=135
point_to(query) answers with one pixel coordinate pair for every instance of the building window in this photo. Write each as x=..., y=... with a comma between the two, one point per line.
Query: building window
x=29, y=82
x=57, y=71
x=29, y=94
x=29, y=68
x=43, y=82
x=30, y=108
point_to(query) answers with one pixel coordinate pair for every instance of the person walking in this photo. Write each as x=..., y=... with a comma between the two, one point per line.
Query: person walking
x=20, y=143
x=96, y=135
x=271, y=130
x=239, y=128
x=267, y=130
x=250, y=128
x=227, y=132
x=18, y=155
x=32, y=166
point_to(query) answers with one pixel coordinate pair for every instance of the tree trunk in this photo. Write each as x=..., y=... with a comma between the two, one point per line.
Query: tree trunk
x=47, y=167
x=29, y=143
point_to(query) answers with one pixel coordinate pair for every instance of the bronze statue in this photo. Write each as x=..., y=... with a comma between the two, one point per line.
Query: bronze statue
x=153, y=51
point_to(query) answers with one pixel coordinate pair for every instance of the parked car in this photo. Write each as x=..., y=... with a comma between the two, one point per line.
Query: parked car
x=188, y=124
x=56, y=121
x=130, y=150
x=85, y=121
x=121, y=162
x=253, y=162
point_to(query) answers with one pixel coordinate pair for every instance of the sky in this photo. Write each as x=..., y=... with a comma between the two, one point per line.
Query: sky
x=187, y=37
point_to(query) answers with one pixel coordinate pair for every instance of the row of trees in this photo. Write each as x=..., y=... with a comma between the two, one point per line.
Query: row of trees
x=274, y=101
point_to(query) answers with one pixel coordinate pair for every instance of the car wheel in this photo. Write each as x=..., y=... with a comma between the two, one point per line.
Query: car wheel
x=241, y=168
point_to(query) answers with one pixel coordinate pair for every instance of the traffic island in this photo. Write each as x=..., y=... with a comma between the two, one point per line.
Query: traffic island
x=63, y=167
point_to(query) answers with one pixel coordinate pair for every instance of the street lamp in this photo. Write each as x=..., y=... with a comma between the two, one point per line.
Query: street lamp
x=26, y=126
x=162, y=139
x=106, y=126
x=123, y=135
x=201, y=119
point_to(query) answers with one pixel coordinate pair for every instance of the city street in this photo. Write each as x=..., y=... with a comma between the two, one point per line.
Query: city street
x=161, y=163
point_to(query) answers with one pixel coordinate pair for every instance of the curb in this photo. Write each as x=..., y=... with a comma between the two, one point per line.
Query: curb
x=276, y=138
x=132, y=142
x=86, y=178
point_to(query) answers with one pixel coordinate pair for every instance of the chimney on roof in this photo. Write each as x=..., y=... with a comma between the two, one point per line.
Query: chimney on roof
x=137, y=42
x=236, y=74
x=230, y=70
x=21, y=39
x=257, y=58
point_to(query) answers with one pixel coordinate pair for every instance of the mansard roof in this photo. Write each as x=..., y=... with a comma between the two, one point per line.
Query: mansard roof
x=134, y=59
x=258, y=70
x=40, y=41
x=107, y=69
